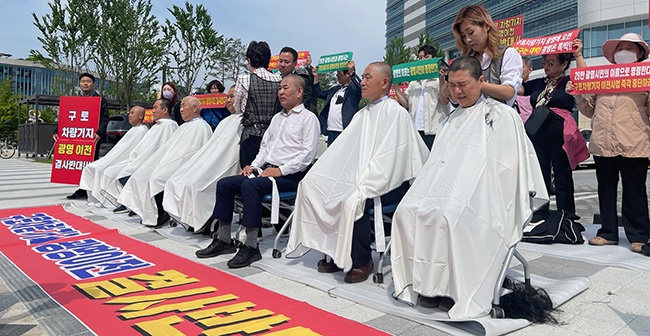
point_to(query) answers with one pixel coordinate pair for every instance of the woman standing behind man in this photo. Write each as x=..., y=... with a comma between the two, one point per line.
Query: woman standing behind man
x=558, y=142
x=620, y=144
x=478, y=36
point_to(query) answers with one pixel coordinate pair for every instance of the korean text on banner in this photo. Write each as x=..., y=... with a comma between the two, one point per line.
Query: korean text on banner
x=545, y=45
x=148, y=116
x=614, y=78
x=75, y=149
x=302, y=60
x=334, y=62
x=213, y=100
x=423, y=69
x=511, y=29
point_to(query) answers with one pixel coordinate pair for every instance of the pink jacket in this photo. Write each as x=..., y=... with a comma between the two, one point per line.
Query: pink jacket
x=619, y=123
x=574, y=145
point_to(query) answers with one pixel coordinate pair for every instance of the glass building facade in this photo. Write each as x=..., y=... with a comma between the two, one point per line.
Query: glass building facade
x=593, y=38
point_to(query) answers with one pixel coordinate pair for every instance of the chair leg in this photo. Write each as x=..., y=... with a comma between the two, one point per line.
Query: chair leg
x=276, y=252
x=496, y=299
x=379, y=276
x=524, y=264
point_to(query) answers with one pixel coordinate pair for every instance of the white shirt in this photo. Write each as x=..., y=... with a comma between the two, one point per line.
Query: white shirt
x=243, y=83
x=511, y=69
x=335, y=116
x=290, y=142
x=419, y=111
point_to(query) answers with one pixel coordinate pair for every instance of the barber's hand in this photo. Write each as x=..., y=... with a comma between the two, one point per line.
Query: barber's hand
x=351, y=68
x=315, y=74
x=577, y=48
x=271, y=172
x=247, y=171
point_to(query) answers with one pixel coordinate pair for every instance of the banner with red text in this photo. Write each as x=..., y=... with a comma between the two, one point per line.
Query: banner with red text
x=148, y=116
x=212, y=100
x=511, y=29
x=75, y=149
x=614, y=78
x=116, y=285
x=545, y=45
x=302, y=60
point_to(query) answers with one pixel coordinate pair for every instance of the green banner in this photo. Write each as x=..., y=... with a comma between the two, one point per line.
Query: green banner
x=334, y=62
x=423, y=69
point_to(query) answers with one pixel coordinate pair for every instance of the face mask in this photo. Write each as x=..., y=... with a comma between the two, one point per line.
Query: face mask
x=624, y=57
x=168, y=95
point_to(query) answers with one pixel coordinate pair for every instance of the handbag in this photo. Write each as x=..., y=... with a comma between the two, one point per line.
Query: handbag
x=536, y=119
x=541, y=112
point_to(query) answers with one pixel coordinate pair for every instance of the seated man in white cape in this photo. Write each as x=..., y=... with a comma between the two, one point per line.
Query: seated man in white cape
x=189, y=193
x=91, y=176
x=160, y=132
x=468, y=205
x=378, y=151
x=287, y=150
x=143, y=193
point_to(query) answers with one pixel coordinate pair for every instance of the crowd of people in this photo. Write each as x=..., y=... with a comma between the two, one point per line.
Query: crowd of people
x=452, y=152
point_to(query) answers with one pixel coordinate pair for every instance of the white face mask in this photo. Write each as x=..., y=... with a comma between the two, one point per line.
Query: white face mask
x=624, y=57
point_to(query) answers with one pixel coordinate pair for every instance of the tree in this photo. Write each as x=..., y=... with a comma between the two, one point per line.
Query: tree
x=326, y=81
x=428, y=40
x=232, y=63
x=195, y=44
x=128, y=50
x=66, y=39
x=8, y=110
x=397, y=52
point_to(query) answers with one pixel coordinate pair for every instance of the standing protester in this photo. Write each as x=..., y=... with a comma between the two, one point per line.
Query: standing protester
x=256, y=97
x=170, y=92
x=287, y=61
x=87, y=86
x=214, y=115
x=558, y=142
x=421, y=100
x=620, y=144
x=341, y=101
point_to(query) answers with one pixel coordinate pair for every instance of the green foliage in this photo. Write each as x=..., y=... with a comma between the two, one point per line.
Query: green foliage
x=194, y=44
x=397, y=52
x=8, y=110
x=232, y=63
x=326, y=80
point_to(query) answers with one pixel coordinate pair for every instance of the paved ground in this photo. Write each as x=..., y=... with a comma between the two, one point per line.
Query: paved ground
x=617, y=303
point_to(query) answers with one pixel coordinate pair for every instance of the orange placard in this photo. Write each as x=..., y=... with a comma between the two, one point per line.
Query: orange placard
x=212, y=100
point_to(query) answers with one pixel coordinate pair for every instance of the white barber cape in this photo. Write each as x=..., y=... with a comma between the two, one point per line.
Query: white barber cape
x=376, y=153
x=92, y=175
x=159, y=133
x=468, y=205
x=190, y=193
x=149, y=180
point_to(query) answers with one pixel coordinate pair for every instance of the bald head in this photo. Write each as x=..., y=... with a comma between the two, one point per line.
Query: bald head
x=291, y=91
x=136, y=115
x=190, y=108
x=377, y=79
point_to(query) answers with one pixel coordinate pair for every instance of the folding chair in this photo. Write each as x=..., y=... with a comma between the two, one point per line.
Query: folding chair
x=385, y=209
x=497, y=311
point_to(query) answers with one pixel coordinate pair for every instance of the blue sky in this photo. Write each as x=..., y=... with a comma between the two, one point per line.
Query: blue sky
x=323, y=27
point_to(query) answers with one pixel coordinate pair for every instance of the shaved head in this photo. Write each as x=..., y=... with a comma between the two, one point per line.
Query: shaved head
x=384, y=69
x=376, y=82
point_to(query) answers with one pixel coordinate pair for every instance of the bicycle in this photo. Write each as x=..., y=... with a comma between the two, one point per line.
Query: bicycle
x=7, y=150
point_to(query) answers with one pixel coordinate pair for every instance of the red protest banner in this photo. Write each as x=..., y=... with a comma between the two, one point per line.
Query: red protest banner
x=78, y=123
x=612, y=78
x=402, y=87
x=148, y=116
x=545, y=45
x=511, y=29
x=212, y=100
x=116, y=285
x=302, y=60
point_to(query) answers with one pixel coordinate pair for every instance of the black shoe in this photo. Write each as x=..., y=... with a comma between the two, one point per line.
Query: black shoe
x=131, y=213
x=217, y=247
x=245, y=256
x=78, y=194
x=120, y=210
x=161, y=220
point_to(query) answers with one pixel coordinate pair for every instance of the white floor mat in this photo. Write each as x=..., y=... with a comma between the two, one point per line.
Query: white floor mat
x=610, y=255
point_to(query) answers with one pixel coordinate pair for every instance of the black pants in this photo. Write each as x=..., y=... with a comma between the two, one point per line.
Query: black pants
x=252, y=190
x=548, y=143
x=633, y=173
x=362, y=233
x=159, y=200
x=428, y=138
x=331, y=136
x=248, y=150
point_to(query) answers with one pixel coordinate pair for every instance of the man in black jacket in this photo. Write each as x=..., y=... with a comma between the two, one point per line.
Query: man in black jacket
x=287, y=61
x=341, y=102
x=87, y=86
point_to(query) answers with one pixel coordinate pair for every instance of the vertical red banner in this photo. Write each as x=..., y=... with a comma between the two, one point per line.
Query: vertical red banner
x=75, y=149
x=511, y=29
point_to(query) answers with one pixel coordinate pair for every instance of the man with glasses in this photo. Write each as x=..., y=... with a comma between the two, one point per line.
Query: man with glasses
x=341, y=102
x=421, y=99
